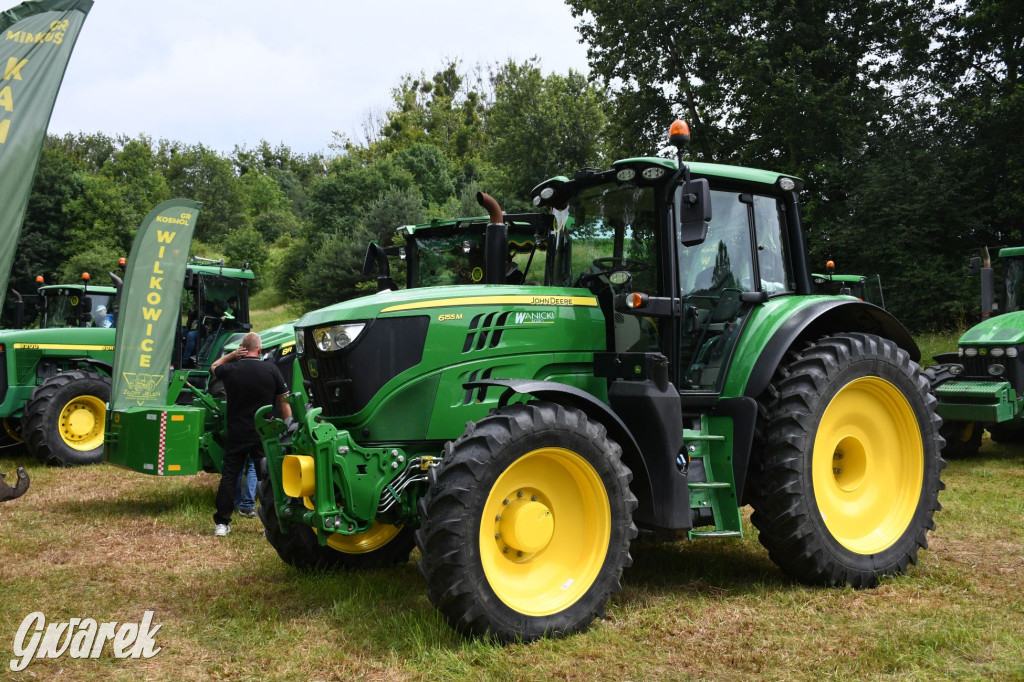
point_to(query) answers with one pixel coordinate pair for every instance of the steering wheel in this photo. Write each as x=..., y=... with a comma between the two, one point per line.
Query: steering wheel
x=611, y=264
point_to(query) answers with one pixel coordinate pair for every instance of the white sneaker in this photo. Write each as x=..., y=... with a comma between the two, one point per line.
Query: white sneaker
x=221, y=529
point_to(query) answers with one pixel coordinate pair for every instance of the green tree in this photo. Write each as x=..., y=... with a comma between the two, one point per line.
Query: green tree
x=198, y=173
x=979, y=75
x=246, y=247
x=543, y=126
x=334, y=269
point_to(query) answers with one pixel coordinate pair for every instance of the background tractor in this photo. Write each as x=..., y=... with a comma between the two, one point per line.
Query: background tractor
x=451, y=252
x=55, y=381
x=674, y=365
x=981, y=385
x=866, y=288
x=61, y=307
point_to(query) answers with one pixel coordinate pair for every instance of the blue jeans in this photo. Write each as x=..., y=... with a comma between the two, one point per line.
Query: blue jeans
x=245, y=498
x=190, y=345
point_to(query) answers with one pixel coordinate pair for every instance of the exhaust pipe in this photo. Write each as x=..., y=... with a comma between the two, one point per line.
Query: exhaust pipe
x=495, y=241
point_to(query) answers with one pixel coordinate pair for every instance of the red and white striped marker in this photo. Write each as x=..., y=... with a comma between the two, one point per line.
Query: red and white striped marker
x=163, y=444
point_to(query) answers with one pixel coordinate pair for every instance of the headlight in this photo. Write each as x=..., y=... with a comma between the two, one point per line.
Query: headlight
x=1011, y=352
x=970, y=352
x=997, y=352
x=336, y=337
x=299, y=340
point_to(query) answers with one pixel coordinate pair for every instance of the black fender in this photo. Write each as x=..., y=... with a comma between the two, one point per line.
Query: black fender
x=104, y=367
x=589, y=405
x=826, y=317
x=951, y=358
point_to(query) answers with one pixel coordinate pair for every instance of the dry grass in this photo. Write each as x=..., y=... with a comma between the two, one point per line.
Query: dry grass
x=110, y=544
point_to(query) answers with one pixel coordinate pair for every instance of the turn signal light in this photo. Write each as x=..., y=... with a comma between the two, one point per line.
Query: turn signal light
x=636, y=300
x=86, y=276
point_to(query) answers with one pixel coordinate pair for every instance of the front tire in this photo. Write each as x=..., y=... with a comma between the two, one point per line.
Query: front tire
x=526, y=524
x=850, y=478
x=379, y=547
x=65, y=418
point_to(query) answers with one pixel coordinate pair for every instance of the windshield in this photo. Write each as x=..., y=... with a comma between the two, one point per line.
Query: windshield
x=608, y=227
x=723, y=261
x=63, y=309
x=1013, y=278
x=223, y=298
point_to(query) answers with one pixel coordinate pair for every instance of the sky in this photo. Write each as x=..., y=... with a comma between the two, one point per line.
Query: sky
x=232, y=72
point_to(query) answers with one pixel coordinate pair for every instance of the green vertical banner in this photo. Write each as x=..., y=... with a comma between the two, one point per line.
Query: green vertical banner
x=149, y=318
x=36, y=39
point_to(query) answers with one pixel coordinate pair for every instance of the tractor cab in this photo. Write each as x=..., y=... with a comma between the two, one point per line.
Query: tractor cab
x=215, y=302
x=667, y=283
x=866, y=288
x=452, y=252
x=73, y=305
x=1011, y=296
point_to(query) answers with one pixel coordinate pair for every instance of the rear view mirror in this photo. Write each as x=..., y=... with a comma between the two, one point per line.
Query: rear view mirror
x=692, y=203
x=974, y=266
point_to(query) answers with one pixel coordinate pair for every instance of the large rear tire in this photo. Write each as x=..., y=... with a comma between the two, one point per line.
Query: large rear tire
x=65, y=418
x=379, y=547
x=850, y=479
x=526, y=524
x=963, y=439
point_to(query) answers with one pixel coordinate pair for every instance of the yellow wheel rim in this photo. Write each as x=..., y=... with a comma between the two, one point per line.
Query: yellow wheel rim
x=964, y=434
x=868, y=465
x=379, y=535
x=12, y=428
x=81, y=422
x=544, y=531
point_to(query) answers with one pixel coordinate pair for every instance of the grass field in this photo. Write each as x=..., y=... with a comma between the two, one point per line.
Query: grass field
x=109, y=544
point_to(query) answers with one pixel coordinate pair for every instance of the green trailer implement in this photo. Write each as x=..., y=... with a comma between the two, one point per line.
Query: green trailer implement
x=673, y=365
x=981, y=385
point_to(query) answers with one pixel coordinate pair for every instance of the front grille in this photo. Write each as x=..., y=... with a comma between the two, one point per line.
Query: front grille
x=977, y=369
x=343, y=382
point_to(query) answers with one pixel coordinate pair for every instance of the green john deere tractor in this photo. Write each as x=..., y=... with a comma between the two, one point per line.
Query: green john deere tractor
x=981, y=385
x=55, y=381
x=67, y=321
x=674, y=365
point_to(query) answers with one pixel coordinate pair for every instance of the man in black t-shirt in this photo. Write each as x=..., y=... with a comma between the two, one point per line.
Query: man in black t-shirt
x=250, y=384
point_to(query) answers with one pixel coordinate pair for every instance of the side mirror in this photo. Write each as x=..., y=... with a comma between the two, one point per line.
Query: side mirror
x=189, y=278
x=974, y=266
x=85, y=309
x=692, y=203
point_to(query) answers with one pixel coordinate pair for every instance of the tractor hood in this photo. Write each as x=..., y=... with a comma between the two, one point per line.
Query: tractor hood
x=70, y=338
x=1003, y=330
x=430, y=300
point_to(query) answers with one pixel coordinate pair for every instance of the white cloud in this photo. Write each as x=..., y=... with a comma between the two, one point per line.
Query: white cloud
x=227, y=72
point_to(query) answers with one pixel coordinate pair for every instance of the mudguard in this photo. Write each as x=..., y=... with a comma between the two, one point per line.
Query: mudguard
x=590, y=406
x=826, y=316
